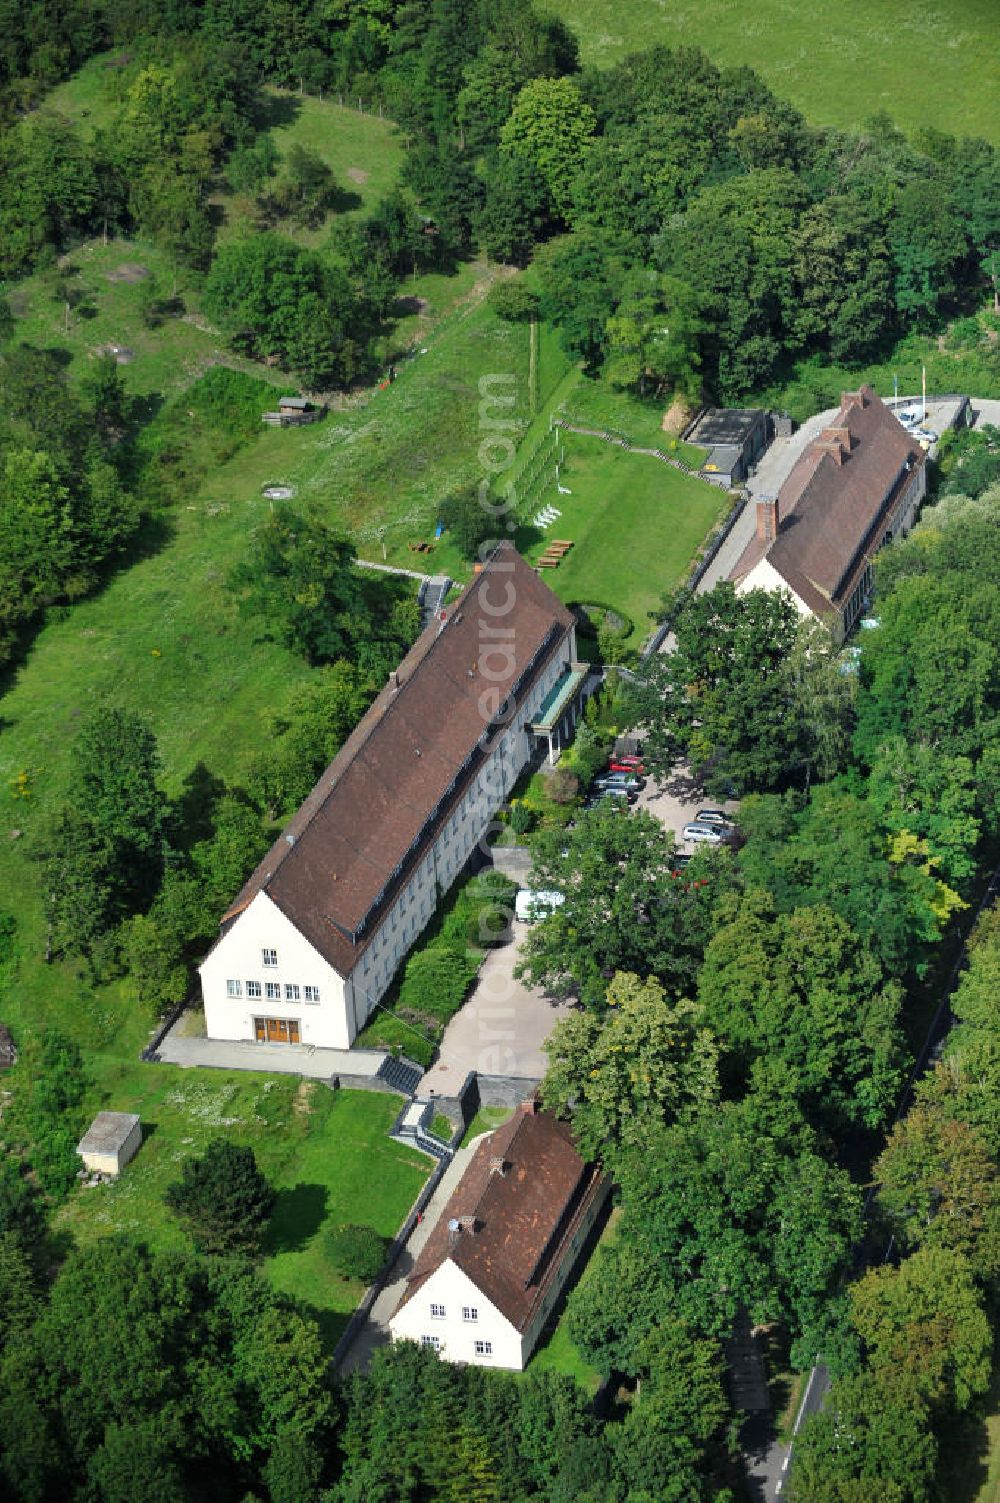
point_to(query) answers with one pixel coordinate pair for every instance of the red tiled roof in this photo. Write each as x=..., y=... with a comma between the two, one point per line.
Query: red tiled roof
x=831, y=501
x=369, y=812
x=512, y=1223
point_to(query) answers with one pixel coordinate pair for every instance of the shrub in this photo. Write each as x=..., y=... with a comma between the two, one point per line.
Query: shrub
x=356, y=1252
x=521, y=818
x=386, y=1031
x=435, y=981
x=514, y=302
x=564, y=785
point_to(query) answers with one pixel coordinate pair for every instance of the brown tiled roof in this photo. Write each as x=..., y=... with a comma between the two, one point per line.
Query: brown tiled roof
x=409, y=756
x=525, y=1189
x=832, y=499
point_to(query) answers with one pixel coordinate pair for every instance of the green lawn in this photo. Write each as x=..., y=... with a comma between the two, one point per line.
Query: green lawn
x=924, y=63
x=636, y=523
x=326, y=1153
x=485, y=1120
x=595, y=404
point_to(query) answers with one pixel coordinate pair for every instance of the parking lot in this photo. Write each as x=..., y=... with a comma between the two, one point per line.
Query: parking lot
x=677, y=803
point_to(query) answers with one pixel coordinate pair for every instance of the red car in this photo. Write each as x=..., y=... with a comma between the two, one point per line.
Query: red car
x=627, y=764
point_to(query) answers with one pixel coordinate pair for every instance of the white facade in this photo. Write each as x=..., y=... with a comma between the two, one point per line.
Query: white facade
x=764, y=576
x=112, y=1141
x=452, y=1314
x=470, y=1329
x=301, y=998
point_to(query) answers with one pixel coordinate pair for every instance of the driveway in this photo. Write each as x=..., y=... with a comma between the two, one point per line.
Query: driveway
x=501, y=1028
x=678, y=801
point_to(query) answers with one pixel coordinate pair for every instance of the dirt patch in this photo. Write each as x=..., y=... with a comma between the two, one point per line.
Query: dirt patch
x=302, y=1105
x=677, y=416
x=121, y=352
x=358, y=174
x=129, y=272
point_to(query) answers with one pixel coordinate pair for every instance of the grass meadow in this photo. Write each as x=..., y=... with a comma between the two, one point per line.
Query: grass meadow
x=923, y=63
x=636, y=524
x=326, y=1153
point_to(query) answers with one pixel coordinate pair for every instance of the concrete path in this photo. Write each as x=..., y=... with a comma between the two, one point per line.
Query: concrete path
x=501, y=1028
x=278, y=1059
x=375, y=1331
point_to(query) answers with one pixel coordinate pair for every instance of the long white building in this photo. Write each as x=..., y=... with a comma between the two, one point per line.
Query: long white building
x=315, y=937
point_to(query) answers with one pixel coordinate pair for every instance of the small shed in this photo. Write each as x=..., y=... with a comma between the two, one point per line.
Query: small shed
x=112, y=1139
x=735, y=437
x=8, y=1049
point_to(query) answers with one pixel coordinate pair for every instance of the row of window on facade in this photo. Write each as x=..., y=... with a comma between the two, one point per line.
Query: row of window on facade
x=272, y=990
x=481, y=1348
x=469, y=1312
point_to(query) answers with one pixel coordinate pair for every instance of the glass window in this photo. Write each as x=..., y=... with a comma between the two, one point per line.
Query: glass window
x=269, y=957
x=437, y=1311
x=291, y=993
x=253, y=988
x=312, y=992
x=469, y=1312
x=434, y=1341
x=234, y=988
x=484, y=1348
x=272, y=991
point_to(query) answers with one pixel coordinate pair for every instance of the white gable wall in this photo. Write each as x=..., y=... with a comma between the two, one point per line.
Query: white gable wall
x=764, y=576
x=239, y=957
x=451, y=1288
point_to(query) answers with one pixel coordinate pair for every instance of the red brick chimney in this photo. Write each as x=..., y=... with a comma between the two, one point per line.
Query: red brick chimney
x=767, y=518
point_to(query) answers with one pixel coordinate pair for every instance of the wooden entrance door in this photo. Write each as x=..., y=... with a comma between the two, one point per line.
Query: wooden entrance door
x=276, y=1030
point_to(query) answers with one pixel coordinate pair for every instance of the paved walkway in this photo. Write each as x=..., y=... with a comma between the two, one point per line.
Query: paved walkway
x=279, y=1059
x=501, y=1028
x=375, y=1331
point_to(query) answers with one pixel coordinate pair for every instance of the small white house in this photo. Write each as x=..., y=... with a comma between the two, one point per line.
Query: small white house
x=494, y=1265
x=112, y=1139
x=854, y=488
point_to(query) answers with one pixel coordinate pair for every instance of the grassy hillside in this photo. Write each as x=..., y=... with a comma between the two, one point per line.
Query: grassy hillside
x=924, y=63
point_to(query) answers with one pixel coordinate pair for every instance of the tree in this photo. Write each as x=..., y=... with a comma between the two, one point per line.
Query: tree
x=866, y=1442
x=800, y=988
x=577, y=293
x=223, y=1198
x=114, y=766
x=938, y=1187
x=728, y=699
x=644, y=1061
x=920, y=790
x=925, y=1329
x=672, y=1435
x=276, y=299
x=652, y=337
x=626, y=907
x=470, y=523
x=36, y=538
x=843, y=270
x=551, y=128
x=515, y=213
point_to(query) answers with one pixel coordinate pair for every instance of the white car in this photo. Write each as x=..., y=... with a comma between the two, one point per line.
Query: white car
x=924, y=435
x=911, y=417
x=703, y=834
x=530, y=906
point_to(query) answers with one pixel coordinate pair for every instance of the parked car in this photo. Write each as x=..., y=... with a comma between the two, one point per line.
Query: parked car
x=628, y=764
x=924, y=435
x=702, y=834
x=712, y=817
x=911, y=417
x=626, y=780
x=616, y=797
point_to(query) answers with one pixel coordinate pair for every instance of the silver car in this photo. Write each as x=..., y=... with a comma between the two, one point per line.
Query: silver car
x=699, y=834
x=713, y=817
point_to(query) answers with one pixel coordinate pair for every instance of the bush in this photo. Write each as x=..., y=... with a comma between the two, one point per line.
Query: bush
x=564, y=785
x=386, y=1031
x=435, y=981
x=356, y=1252
x=514, y=302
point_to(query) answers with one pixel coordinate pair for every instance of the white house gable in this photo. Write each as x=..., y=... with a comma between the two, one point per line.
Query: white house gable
x=451, y=1314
